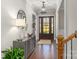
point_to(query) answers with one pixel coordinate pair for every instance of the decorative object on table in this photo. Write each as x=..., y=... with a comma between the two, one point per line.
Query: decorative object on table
x=32, y=35
x=33, y=24
x=21, y=24
x=13, y=53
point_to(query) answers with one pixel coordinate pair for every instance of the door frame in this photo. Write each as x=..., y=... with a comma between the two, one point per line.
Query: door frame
x=49, y=21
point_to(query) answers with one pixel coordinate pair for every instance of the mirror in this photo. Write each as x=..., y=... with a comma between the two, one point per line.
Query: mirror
x=21, y=15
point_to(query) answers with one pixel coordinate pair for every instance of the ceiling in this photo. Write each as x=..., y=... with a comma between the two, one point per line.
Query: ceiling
x=51, y=5
x=62, y=5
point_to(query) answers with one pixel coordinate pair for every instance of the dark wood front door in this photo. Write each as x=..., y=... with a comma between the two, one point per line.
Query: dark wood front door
x=46, y=27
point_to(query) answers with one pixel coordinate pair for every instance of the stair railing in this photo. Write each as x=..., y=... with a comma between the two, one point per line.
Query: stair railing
x=62, y=41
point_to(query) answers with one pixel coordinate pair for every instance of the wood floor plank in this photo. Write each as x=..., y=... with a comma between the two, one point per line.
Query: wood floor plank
x=43, y=52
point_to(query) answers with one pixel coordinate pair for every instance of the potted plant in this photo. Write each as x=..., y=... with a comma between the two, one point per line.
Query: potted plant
x=13, y=53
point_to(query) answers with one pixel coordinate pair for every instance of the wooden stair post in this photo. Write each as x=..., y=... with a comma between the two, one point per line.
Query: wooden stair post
x=60, y=46
x=62, y=41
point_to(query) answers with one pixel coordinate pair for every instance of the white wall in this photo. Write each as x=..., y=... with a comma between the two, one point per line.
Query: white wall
x=9, y=12
x=70, y=25
x=57, y=18
x=61, y=21
x=71, y=10
x=56, y=25
x=8, y=16
x=29, y=14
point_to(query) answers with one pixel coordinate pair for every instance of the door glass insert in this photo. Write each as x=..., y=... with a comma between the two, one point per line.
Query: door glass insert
x=52, y=25
x=40, y=24
x=45, y=25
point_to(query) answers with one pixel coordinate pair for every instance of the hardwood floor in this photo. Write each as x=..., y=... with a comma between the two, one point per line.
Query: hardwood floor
x=43, y=52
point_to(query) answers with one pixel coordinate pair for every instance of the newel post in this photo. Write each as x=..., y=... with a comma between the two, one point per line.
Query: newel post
x=60, y=46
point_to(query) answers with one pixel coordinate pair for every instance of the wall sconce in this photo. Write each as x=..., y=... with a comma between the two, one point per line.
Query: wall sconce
x=20, y=23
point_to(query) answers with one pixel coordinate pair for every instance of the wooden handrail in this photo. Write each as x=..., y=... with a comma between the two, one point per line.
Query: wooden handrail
x=62, y=41
x=70, y=37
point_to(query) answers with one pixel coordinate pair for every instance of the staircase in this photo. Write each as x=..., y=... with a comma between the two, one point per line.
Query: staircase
x=62, y=42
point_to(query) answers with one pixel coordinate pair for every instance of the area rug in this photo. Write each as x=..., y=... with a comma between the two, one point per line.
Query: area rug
x=44, y=42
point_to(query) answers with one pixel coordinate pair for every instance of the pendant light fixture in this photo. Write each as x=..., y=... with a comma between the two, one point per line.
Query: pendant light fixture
x=43, y=7
x=43, y=10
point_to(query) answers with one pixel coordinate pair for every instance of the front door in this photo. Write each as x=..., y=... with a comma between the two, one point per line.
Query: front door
x=46, y=27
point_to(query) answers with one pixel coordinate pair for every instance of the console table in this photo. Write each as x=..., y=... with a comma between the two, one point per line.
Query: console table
x=28, y=46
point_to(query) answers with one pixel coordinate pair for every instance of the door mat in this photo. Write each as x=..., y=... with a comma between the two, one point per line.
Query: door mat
x=44, y=42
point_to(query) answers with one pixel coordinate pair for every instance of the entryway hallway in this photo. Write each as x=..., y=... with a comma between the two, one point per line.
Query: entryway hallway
x=25, y=22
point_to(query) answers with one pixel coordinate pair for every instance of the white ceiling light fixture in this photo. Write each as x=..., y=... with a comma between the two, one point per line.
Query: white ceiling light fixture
x=43, y=10
x=43, y=7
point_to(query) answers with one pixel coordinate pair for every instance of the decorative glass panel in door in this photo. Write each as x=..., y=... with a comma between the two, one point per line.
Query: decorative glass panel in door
x=52, y=25
x=46, y=27
x=40, y=24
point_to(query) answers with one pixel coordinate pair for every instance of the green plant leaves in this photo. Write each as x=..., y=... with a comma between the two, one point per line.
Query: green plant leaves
x=14, y=53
